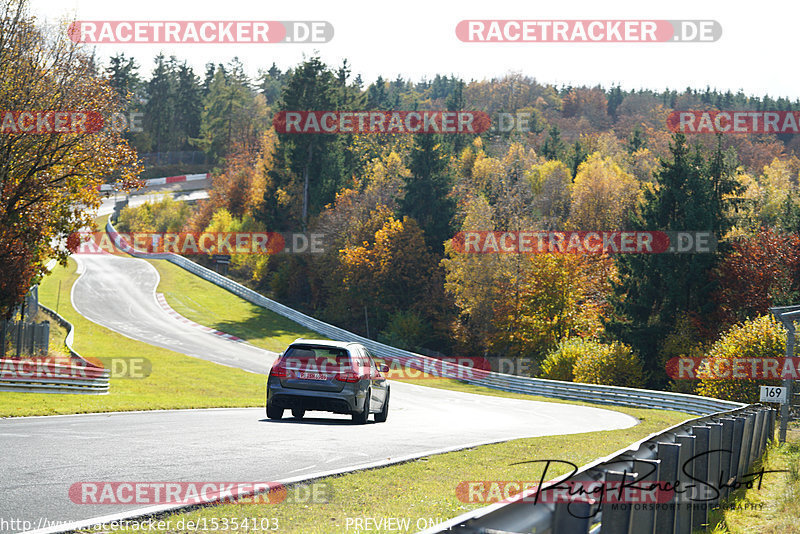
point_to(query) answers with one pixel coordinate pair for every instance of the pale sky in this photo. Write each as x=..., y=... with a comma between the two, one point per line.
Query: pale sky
x=416, y=38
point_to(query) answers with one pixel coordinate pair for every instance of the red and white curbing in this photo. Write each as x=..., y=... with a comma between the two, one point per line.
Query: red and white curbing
x=175, y=179
x=162, y=181
x=166, y=307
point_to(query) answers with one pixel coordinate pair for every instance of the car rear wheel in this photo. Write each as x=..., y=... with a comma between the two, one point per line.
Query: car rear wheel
x=274, y=412
x=381, y=416
x=361, y=418
x=298, y=413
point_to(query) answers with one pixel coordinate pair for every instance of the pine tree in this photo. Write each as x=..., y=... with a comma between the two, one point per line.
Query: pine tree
x=576, y=156
x=455, y=102
x=188, y=106
x=159, y=118
x=636, y=140
x=615, y=98
x=376, y=94
x=553, y=146
x=315, y=159
x=654, y=290
x=231, y=117
x=123, y=76
x=427, y=191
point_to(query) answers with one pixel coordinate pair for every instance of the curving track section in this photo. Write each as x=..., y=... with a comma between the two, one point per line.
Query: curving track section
x=40, y=454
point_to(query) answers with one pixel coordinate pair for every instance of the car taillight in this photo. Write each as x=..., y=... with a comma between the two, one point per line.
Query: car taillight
x=349, y=376
x=278, y=372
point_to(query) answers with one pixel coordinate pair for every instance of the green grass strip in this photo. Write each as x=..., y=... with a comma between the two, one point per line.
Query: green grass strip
x=176, y=381
x=210, y=305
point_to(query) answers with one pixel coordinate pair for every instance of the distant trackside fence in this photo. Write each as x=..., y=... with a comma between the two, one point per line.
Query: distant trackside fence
x=76, y=376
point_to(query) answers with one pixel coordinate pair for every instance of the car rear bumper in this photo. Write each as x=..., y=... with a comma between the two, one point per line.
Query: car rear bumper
x=344, y=402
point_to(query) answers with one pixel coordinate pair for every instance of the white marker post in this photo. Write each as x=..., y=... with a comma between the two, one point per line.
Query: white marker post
x=786, y=315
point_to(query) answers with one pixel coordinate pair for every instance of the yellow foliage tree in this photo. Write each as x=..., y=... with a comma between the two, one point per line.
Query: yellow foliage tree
x=602, y=195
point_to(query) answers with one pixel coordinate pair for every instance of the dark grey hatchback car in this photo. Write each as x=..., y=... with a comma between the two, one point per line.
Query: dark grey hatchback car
x=331, y=376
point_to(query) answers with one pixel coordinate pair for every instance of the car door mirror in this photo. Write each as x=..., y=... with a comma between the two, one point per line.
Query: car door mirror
x=384, y=368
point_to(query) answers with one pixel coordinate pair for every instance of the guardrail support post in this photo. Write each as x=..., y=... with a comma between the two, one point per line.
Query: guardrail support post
x=764, y=431
x=771, y=426
x=617, y=517
x=727, y=470
x=716, y=459
x=747, y=440
x=683, y=516
x=700, y=466
x=668, y=454
x=738, y=444
x=642, y=517
x=755, y=448
x=573, y=516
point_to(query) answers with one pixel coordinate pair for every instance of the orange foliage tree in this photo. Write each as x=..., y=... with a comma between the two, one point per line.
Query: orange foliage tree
x=48, y=181
x=760, y=271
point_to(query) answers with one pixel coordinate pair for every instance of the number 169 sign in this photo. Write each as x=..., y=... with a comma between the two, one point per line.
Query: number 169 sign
x=773, y=394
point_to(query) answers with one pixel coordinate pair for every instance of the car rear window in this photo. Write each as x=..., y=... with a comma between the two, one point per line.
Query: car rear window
x=313, y=359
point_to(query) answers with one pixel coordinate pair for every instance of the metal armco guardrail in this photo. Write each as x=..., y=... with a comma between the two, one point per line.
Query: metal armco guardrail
x=620, y=396
x=79, y=377
x=702, y=459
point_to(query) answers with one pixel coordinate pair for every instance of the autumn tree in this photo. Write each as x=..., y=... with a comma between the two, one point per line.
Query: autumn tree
x=758, y=272
x=471, y=279
x=394, y=273
x=776, y=186
x=521, y=305
x=551, y=184
x=358, y=213
x=591, y=104
x=602, y=196
x=48, y=181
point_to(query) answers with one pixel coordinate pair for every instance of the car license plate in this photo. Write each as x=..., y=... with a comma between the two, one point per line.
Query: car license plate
x=311, y=376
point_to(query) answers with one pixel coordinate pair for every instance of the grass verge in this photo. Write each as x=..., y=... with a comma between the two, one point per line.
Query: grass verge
x=775, y=506
x=210, y=305
x=176, y=381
